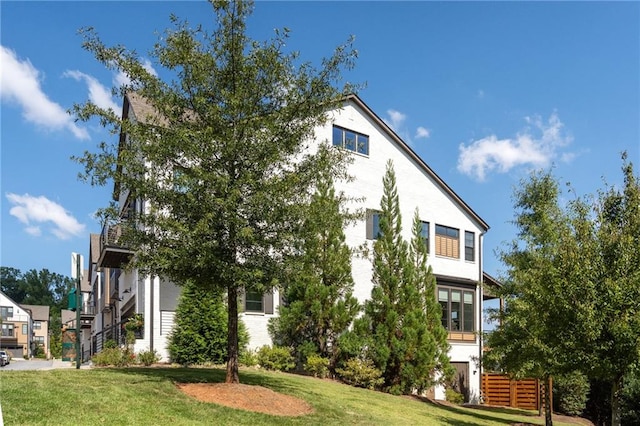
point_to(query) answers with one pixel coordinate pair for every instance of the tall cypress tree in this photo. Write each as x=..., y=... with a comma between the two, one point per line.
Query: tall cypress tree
x=408, y=343
x=319, y=305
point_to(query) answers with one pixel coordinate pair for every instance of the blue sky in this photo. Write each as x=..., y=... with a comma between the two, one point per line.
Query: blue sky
x=484, y=92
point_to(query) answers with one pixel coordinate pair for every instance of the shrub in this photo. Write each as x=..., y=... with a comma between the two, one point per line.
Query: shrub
x=357, y=372
x=276, y=358
x=317, y=365
x=453, y=396
x=110, y=344
x=248, y=358
x=148, y=357
x=630, y=404
x=111, y=357
x=570, y=393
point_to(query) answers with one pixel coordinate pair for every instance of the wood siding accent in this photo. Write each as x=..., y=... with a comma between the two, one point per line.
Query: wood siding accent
x=462, y=337
x=500, y=390
x=447, y=246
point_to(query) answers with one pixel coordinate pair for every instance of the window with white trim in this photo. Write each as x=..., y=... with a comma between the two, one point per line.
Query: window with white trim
x=469, y=246
x=350, y=140
x=373, y=225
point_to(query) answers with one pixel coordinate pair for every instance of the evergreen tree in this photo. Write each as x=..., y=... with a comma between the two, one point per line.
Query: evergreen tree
x=218, y=155
x=319, y=305
x=200, y=332
x=406, y=343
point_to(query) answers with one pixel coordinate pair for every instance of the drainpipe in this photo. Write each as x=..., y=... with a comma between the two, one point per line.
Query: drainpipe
x=481, y=304
x=151, y=329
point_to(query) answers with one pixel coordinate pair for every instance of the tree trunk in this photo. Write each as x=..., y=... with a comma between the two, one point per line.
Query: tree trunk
x=616, y=386
x=232, y=337
x=548, y=418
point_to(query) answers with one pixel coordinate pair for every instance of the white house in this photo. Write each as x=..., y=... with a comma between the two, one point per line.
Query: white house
x=453, y=231
x=16, y=328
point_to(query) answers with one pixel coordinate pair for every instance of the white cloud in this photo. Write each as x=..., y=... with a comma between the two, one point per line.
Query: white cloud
x=396, y=120
x=422, y=132
x=20, y=83
x=98, y=94
x=36, y=211
x=501, y=155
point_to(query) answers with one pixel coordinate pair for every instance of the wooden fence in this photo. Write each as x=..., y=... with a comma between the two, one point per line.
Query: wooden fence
x=498, y=389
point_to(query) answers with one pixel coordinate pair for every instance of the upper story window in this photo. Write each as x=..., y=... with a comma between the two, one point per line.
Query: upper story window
x=6, y=312
x=424, y=233
x=457, y=309
x=37, y=325
x=373, y=225
x=447, y=241
x=7, y=330
x=25, y=329
x=257, y=302
x=469, y=246
x=350, y=140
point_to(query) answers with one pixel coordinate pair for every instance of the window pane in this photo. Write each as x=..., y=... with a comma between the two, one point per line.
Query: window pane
x=25, y=329
x=337, y=136
x=468, y=311
x=443, y=299
x=469, y=246
x=253, y=301
x=349, y=140
x=363, y=144
x=424, y=233
x=455, y=310
x=376, y=225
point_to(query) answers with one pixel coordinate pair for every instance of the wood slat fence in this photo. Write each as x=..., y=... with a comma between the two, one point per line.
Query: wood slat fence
x=499, y=389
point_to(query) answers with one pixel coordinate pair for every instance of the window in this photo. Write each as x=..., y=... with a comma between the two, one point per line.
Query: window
x=469, y=246
x=37, y=325
x=457, y=309
x=25, y=329
x=373, y=225
x=7, y=330
x=447, y=242
x=350, y=140
x=253, y=301
x=424, y=233
x=6, y=312
x=39, y=340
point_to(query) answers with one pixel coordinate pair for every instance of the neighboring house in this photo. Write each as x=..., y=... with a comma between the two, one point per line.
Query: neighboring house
x=452, y=231
x=41, y=321
x=16, y=328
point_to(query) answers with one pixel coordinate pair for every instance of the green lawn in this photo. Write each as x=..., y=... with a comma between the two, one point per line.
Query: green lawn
x=148, y=396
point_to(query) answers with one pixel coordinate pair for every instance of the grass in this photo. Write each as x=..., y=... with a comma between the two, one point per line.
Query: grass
x=148, y=396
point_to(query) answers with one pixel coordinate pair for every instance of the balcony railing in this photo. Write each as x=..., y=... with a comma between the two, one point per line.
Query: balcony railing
x=112, y=253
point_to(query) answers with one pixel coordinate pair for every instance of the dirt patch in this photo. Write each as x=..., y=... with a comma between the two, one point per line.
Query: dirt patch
x=247, y=397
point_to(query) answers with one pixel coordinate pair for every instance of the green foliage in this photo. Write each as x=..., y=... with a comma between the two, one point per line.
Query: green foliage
x=248, y=358
x=110, y=344
x=318, y=366
x=319, y=305
x=453, y=396
x=114, y=357
x=630, y=400
x=148, y=357
x=405, y=337
x=275, y=358
x=226, y=183
x=573, y=287
x=361, y=373
x=38, y=352
x=200, y=332
x=570, y=393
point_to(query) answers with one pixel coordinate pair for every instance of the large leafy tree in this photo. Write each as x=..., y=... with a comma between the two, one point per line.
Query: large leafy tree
x=573, y=286
x=319, y=305
x=401, y=319
x=221, y=158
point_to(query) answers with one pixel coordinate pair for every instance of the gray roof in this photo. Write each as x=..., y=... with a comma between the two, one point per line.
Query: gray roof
x=94, y=248
x=85, y=284
x=38, y=312
x=67, y=316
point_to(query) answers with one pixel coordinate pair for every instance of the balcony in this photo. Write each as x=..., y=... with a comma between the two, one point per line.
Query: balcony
x=112, y=254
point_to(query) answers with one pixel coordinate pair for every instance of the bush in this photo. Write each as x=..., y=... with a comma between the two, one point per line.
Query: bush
x=276, y=358
x=570, y=392
x=248, y=358
x=357, y=372
x=148, y=357
x=110, y=344
x=317, y=365
x=115, y=357
x=453, y=396
x=630, y=404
